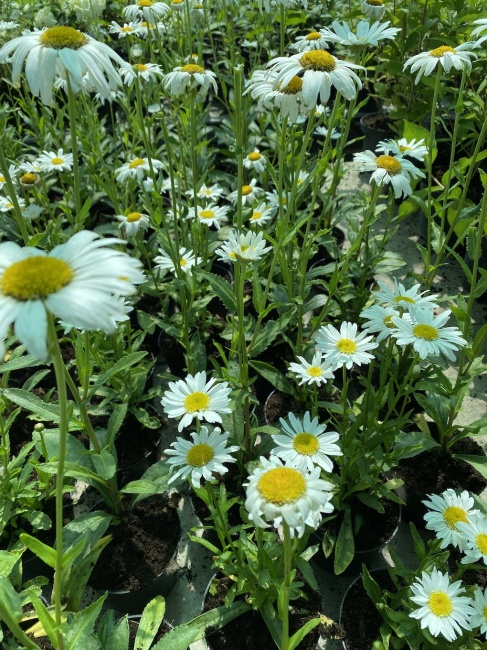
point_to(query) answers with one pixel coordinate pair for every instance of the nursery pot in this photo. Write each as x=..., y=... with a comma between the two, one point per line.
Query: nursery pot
x=375, y=129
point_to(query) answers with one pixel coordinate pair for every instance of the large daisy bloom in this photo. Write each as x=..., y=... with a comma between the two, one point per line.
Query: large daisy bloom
x=133, y=222
x=395, y=170
x=345, y=347
x=445, y=512
x=475, y=534
x=202, y=457
x=366, y=34
x=458, y=57
x=78, y=282
x=150, y=11
x=404, y=147
x=51, y=161
x=479, y=617
x=248, y=247
x=427, y=334
x=320, y=71
x=187, y=259
x=212, y=215
x=373, y=9
x=277, y=494
x=194, y=397
x=305, y=444
x=442, y=610
x=62, y=51
x=402, y=297
x=317, y=372
x=288, y=100
x=189, y=77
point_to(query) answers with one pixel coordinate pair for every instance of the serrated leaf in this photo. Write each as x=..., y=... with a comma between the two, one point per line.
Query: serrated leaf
x=273, y=376
x=34, y=404
x=82, y=625
x=105, y=464
x=222, y=289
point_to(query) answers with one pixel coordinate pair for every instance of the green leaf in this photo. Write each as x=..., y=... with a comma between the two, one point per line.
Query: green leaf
x=273, y=376
x=221, y=288
x=7, y=562
x=197, y=353
x=411, y=444
x=180, y=638
x=298, y=636
x=44, y=616
x=269, y=333
x=122, y=364
x=115, y=422
x=30, y=402
x=25, y=361
x=44, y=552
x=272, y=621
x=477, y=462
x=345, y=544
x=105, y=464
x=152, y=617
x=11, y=612
x=119, y=636
x=82, y=625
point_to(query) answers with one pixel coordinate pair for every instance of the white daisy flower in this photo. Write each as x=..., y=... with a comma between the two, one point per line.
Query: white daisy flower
x=194, y=397
x=190, y=77
x=323, y=131
x=255, y=160
x=177, y=5
x=379, y=320
x=248, y=246
x=32, y=212
x=261, y=214
x=479, y=617
x=286, y=3
x=151, y=11
x=133, y=222
x=187, y=259
x=366, y=34
x=427, y=334
x=6, y=203
x=312, y=41
x=442, y=610
x=445, y=512
x=136, y=168
x=61, y=51
x=345, y=347
x=373, y=9
x=475, y=534
x=458, y=57
x=202, y=457
x=51, y=161
x=321, y=71
x=212, y=215
x=128, y=29
x=7, y=25
x=482, y=26
x=317, y=372
x=145, y=71
x=210, y=193
x=302, y=176
x=12, y=172
x=274, y=200
x=389, y=169
x=288, y=100
x=278, y=494
x=305, y=443
x=145, y=27
x=249, y=193
x=78, y=281
x=404, y=147
x=402, y=297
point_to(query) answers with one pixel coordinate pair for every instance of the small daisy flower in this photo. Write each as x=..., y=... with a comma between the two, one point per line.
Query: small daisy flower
x=32, y=212
x=261, y=214
x=305, y=443
x=274, y=200
x=133, y=222
x=448, y=57
x=277, y=494
x=402, y=297
x=427, y=334
x=210, y=193
x=445, y=512
x=321, y=70
x=323, y=131
x=145, y=71
x=312, y=41
x=373, y=9
x=136, y=168
x=302, y=176
x=248, y=247
x=6, y=203
x=345, y=347
x=190, y=77
x=475, y=534
x=194, y=397
x=479, y=617
x=442, y=609
x=395, y=170
x=201, y=458
x=256, y=161
x=403, y=147
x=249, y=193
x=12, y=172
x=50, y=161
x=379, y=320
x=366, y=34
x=128, y=29
x=151, y=11
x=177, y=5
x=212, y=215
x=317, y=372
x=288, y=100
x=145, y=28
x=187, y=259
x=482, y=26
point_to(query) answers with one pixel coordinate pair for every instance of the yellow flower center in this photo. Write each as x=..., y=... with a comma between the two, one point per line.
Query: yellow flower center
x=390, y=164
x=127, y=28
x=440, y=604
x=200, y=455
x=207, y=214
x=35, y=278
x=140, y=67
x=136, y=163
x=443, y=49
x=177, y=2
x=306, y=444
x=318, y=60
x=183, y=262
x=481, y=541
x=427, y=332
x=134, y=216
x=256, y=216
x=255, y=155
x=452, y=515
x=375, y=3
x=57, y=161
x=59, y=37
x=29, y=178
x=196, y=401
x=314, y=371
x=282, y=485
x=313, y=36
x=403, y=148
x=145, y=3
x=294, y=86
x=246, y=190
x=404, y=299
x=388, y=321
x=346, y=346
x=192, y=68
x=2, y=179
x=484, y=613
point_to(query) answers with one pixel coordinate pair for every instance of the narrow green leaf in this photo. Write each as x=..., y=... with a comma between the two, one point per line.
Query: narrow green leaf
x=44, y=552
x=82, y=625
x=151, y=619
x=222, y=289
x=118, y=638
x=122, y=364
x=273, y=376
x=345, y=544
x=298, y=636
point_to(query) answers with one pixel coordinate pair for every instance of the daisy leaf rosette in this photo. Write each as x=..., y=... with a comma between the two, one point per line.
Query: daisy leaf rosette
x=194, y=397
x=276, y=493
x=446, y=512
x=202, y=457
x=345, y=347
x=79, y=282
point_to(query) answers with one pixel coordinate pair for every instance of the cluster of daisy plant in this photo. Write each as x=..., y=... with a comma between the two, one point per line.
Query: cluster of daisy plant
x=198, y=247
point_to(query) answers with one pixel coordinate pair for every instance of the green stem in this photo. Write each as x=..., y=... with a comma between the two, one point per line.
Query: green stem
x=286, y=588
x=74, y=150
x=239, y=136
x=19, y=217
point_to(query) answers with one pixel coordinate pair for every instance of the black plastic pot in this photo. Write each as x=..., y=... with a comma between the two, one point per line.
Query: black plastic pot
x=373, y=134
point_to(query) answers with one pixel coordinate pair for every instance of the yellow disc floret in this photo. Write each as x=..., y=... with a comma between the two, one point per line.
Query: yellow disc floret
x=306, y=444
x=481, y=541
x=200, y=455
x=35, y=278
x=390, y=164
x=206, y=214
x=28, y=178
x=136, y=163
x=375, y=3
x=313, y=36
x=452, y=515
x=318, y=60
x=426, y=332
x=282, y=485
x=197, y=401
x=255, y=155
x=404, y=299
x=440, y=604
x=246, y=190
x=347, y=346
x=134, y=216
x=57, y=161
x=145, y=3
x=314, y=371
x=293, y=88
x=192, y=68
x=440, y=51
x=60, y=37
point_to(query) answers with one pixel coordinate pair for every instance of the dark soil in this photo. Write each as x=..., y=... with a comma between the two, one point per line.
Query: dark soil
x=279, y=405
x=471, y=576
x=142, y=545
x=359, y=616
x=134, y=626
